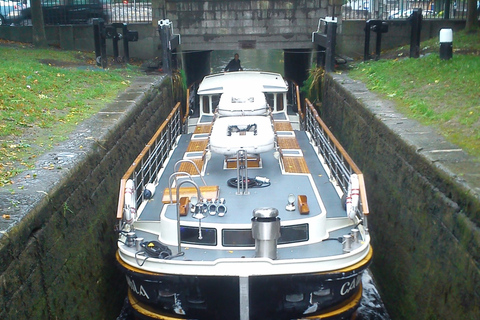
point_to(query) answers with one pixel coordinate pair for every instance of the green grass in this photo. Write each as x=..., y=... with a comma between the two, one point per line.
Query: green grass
x=41, y=103
x=440, y=93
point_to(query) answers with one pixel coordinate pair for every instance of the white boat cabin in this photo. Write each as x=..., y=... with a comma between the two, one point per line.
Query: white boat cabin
x=271, y=84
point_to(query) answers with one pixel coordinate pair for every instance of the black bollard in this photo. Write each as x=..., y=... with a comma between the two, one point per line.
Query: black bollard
x=100, y=44
x=326, y=42
x=164, y=29
x=379, y=27
x=416, y=22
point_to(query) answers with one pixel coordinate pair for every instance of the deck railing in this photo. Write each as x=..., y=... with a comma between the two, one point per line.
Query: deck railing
x=294, y=91
x=338, y=161
x=150, y=161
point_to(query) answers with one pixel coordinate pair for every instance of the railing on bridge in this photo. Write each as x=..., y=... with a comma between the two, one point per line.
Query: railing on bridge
x=59, y=12
x=402, y=9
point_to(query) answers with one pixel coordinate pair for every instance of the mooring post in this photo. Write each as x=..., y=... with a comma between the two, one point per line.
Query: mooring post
x=100, y=43
x=379, y=27
x=169, y=43
x=115, y=36
x=164, y=30
x=326, y=42
x=416, y=21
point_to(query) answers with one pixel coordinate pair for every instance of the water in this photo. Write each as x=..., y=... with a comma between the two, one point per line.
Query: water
x=264, y=60
x=371, y=306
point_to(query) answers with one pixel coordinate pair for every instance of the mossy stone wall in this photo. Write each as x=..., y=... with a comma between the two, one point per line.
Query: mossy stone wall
x=58, y=259
x=422, y=221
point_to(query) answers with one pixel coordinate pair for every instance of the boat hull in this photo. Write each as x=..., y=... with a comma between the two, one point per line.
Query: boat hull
x=329, y=295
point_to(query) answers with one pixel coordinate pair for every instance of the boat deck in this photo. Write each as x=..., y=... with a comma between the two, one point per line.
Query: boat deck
x=303, y=174
x=301, y=164
x=283, y=247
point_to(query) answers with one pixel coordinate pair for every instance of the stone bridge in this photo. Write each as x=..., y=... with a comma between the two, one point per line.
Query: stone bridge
x=205, y=25
x=246, y=24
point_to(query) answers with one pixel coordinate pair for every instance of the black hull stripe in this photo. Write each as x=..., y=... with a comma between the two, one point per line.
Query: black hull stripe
x=345, y=308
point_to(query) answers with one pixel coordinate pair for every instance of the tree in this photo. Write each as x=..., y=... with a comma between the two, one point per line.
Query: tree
x=38, y=30
x=472, y=22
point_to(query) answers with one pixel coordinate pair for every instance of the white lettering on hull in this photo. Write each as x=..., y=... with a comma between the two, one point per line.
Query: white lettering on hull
x=139, y=291
x=350, y=285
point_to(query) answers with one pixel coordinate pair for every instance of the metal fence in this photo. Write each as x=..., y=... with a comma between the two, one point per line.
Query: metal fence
x=133, y=11
x=402, y=9
x=58, y=12
x=61, y=12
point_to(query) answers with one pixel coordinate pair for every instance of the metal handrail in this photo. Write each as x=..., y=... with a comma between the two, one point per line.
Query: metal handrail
x=179, y=162
x=187, y=109
x=199, y=197
x=301, y=114
x=149, y=162
x=337, y=159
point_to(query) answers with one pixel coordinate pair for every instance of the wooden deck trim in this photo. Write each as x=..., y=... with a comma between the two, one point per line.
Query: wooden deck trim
x=197, y=145
x=295, y=165
x=208, y=192
x=288, y=143
x=203, y=128
x=252, y=162
x=291, y=164
x=190, y=168
x=282, y=126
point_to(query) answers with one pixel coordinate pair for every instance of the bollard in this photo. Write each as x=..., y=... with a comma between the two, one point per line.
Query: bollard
x=100, y=44
x=101, y=32
x=265, y=231
x=326, y=42
x=164, y=29
x=126, y=36
x=416, y=22
x=169, y=42
x=379, y=27
x=446, y=47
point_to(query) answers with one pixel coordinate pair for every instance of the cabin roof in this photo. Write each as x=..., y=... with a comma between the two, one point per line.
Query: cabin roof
x=265, y=81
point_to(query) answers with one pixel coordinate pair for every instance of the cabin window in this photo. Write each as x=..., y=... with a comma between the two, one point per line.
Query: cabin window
x=215, y=102
x=275, y=101
x=292, y=234
x=210, y=103
x=270, y=100
x=279, y=102
x=190, y=235
x=206, y=104
x=243, y=237
x=237, y=238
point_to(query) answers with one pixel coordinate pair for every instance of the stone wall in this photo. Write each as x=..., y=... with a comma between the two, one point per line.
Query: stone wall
x=245, y=24
x=80, y=37
x=424, y=202
x=239, y=24
x=57, y=249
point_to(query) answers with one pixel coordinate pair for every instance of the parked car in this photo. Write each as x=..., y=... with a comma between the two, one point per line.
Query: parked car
x=62, y=12
x=396, y=14
x=6, y=7
x=358, y=5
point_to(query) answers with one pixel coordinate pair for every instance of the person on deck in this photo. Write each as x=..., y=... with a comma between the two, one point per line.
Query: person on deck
x=234, y=64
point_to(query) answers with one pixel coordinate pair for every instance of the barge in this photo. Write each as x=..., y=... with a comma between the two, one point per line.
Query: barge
x=243, y=210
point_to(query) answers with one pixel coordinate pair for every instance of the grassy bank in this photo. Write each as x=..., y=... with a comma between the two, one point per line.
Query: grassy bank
x=44, y=94
x=440, y=93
